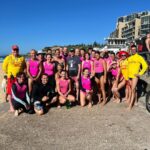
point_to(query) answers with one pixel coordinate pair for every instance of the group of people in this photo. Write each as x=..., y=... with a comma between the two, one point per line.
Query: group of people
x=64, y=77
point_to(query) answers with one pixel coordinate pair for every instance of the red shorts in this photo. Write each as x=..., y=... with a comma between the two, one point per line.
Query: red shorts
x=9, y=85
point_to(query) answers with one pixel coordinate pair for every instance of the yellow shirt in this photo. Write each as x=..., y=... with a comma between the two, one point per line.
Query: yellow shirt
x=12, y=65
x=124, y=68
x=136, y=65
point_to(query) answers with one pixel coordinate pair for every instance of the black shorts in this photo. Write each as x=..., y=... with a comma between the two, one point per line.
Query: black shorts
x=99, y=75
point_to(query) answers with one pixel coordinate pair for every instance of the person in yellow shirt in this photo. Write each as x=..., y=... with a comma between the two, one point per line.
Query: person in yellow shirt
x=13, y=64
x=123, y=63
x=136, y=68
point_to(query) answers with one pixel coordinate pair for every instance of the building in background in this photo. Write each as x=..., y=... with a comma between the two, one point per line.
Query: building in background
x=130, y=28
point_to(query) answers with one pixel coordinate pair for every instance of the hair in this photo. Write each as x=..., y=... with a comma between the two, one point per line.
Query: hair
x=44, y=74
x=19, y=74
x=133, y=46
x=85, y=69
x=34, y=51
x=82, y=49
x=49, y=54
x=112, y=53
x=97, y=52
x=87, y=54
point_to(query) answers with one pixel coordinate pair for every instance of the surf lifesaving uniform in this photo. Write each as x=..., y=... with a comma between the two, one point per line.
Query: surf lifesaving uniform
x=49, y=70
x=99, y=69
x=87, y=64
x=34, y=67
x=85, y=84
x=136, y=65
x=20, y=97
x=124, y=68
x=64, y=86
x=11, y=66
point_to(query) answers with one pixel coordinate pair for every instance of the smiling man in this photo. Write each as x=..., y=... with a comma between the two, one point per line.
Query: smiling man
x=13, y=64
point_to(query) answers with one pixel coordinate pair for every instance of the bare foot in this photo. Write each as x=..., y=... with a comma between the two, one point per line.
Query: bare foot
x=16, y=113
x=90, y=105
x=11, y=110
x=129, y=108
x=58, y=106
x=118, y=101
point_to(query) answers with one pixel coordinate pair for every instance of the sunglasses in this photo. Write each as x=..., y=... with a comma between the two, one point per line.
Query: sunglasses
x=15, y=50
x=123, y=55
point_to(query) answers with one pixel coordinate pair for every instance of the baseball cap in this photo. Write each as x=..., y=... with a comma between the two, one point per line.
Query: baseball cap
x=40, y=52
x=15, y=47
x=72, y=50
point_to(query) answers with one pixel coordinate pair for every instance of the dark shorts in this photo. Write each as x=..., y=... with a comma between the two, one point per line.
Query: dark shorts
x=99, y=75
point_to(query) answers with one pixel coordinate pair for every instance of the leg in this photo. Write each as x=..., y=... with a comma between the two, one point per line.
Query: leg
x=102, y=86
x=133, y=92
x=82, y=99
x=71, y=98
x=62, y=100
x=89, y=98
x=30, y=82
x=10, y=103
x=77, y=90
x=98, y=90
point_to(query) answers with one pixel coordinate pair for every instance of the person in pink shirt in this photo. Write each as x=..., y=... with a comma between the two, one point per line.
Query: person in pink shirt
x=86, y=90
x=48, y=68
x=64, y=89
x=34, y=69
x=100, y=72
x=87, y=63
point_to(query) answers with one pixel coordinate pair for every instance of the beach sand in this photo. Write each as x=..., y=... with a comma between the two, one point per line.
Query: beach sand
x=2, y=94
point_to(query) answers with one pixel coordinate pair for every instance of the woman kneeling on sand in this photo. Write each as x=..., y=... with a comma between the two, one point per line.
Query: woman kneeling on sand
x=20, y=97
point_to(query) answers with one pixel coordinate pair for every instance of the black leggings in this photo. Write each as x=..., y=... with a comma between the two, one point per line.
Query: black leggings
x=18, y=105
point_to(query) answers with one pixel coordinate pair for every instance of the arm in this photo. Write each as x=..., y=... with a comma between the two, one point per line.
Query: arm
x=58, y=88
x=81, y=87
x=79, y=70
x=105, y=70
x=28, y=72
x=92, y=67
x=40, y=71
x=148, y=44
x=144, y=65
x=69, y=89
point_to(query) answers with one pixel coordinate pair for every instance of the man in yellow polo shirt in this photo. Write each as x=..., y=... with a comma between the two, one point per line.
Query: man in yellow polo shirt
x=136, y=68
x=13, y=64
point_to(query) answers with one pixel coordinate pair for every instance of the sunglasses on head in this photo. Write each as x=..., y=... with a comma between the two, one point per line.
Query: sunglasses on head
x=124, y=55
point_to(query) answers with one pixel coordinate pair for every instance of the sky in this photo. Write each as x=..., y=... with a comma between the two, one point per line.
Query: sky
x=35, y=24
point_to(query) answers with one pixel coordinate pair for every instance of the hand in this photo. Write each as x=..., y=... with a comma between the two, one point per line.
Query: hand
x=45, y=98
x=87, y=91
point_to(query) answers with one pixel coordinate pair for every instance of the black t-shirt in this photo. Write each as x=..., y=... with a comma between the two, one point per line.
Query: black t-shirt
x=40, y=90
x=73, y=63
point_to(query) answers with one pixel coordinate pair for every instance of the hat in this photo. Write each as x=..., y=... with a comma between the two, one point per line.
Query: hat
x=123, y=53
x=15, y=47
x=72, y=50
x=40, y=52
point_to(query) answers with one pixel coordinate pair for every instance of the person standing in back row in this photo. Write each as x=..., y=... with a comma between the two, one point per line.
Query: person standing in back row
x=13, y=64
x=74, y=69
x=136, y=68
